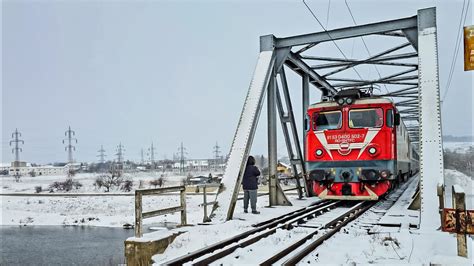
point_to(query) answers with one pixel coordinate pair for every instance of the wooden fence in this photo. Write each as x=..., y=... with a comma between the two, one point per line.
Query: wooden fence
x=139, y=215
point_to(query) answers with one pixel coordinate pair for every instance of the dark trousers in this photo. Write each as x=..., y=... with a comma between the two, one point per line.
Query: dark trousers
x=252, y=196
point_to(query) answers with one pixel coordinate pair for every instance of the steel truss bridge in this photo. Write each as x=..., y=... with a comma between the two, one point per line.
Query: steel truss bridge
x=407, y=73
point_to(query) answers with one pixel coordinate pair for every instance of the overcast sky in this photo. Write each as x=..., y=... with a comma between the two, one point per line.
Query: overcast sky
x=170, y=72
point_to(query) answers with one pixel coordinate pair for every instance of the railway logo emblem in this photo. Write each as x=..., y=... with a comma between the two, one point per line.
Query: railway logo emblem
x=344, y=148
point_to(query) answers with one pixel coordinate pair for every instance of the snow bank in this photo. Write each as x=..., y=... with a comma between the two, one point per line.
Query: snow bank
x=453, y=177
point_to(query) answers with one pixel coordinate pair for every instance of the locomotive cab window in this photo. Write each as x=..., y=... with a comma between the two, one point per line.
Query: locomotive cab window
x=390, y=118
x=361, y=118
x=327, y=120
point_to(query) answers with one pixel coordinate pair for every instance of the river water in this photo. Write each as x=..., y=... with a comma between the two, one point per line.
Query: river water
x=62, y=245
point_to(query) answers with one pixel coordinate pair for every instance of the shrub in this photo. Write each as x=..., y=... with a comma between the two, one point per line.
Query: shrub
x=67, y=185
x=158, y=182
x=127, y=185
x=71, y=173
x=108, y=181
x=38, y=189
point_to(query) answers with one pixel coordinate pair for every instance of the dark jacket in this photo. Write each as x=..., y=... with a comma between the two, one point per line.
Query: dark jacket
x=249, y=181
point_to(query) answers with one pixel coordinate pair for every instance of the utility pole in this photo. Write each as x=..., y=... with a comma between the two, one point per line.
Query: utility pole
x=119, y=164
x=181, y=152
x=120, y=151
x=16, y=150
x=143, y=160
x=216, y=156
x=101, y=155
x=69, y=147
x=151, y=154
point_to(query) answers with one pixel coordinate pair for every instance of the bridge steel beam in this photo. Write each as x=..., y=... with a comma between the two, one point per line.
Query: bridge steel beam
x=431, y=145
x=348, y=32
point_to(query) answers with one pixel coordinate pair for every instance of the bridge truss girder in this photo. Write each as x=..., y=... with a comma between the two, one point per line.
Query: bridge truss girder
x=416, y=92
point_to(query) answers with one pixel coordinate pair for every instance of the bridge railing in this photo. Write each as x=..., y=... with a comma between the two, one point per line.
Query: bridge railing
x=205, y=203
x=140, y=215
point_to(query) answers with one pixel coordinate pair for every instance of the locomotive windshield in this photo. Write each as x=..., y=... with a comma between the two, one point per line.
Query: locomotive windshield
x=360, y=118
x=327, y=120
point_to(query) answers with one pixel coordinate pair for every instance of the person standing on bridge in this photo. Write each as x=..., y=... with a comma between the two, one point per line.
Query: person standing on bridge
x=250, y=186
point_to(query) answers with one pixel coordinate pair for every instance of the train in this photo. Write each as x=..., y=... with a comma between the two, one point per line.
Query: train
x=356, y=146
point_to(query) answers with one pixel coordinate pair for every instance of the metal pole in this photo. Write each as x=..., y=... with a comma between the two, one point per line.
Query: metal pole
x=305, y=122
x=272, y=140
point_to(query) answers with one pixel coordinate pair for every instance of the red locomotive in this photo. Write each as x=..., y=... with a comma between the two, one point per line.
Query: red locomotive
x=356, y=147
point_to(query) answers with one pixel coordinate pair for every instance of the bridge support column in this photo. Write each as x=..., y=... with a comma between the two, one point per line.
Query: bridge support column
x=276, y=194
x=431, y=146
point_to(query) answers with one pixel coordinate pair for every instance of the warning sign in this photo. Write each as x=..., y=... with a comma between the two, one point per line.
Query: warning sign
x=455, y=221
x=468, y=48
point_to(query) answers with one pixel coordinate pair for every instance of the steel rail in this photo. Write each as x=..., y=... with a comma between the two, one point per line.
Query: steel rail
x=283, y=253
x=246, y=242
x=321, y=205
x=335, y=226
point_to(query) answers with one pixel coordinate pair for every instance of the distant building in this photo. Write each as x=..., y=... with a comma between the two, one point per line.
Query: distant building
x=283, y=168
x=199, y=165
x=25, y=169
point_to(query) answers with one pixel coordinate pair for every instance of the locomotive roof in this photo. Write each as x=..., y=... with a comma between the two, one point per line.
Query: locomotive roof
x=370, y=100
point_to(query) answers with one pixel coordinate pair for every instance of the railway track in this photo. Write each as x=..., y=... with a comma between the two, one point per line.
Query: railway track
x=223, y=248
x=302, y=218
x=329, y=229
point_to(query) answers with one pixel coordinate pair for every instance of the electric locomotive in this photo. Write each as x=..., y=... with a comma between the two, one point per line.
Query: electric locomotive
x=356, y=146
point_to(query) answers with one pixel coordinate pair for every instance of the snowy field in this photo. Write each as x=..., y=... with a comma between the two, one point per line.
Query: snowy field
x=103, y=210
x=458, y=147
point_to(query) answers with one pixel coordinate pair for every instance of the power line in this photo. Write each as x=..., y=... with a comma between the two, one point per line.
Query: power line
x=456, y=48
x=365, y=44
x=330, y=37
x=327, y=15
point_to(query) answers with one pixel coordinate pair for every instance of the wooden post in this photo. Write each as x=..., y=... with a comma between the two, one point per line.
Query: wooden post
x=138, y=214
x=183, y=205
x=459, y=203
x=441, y=200
x=205, y=219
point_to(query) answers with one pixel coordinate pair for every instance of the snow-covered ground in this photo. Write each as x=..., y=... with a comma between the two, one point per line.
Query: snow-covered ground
x=453, y=177
x=458, y=147
x=353, y=245
x=103, y=210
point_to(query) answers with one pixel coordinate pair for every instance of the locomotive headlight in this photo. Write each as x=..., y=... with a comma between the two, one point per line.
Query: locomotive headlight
x=384, y=173
x=349, y=100
x=319, y=152
x=372, y=150
x=340, y=101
